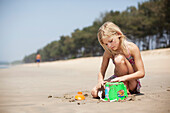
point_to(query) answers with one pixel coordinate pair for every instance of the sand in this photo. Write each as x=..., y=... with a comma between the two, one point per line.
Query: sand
x=51, y=87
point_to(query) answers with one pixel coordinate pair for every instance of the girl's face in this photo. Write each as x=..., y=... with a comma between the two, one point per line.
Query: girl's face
x=112, y=42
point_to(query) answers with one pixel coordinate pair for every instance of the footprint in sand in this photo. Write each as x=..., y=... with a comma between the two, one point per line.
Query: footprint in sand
x=168, y=89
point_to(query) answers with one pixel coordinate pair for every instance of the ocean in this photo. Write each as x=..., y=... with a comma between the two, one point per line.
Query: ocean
x=4, y=66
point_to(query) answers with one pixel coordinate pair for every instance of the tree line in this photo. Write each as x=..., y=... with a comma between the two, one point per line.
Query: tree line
x=148, y=26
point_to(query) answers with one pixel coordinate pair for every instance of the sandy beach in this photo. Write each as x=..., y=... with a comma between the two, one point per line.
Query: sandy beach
x=51, y=87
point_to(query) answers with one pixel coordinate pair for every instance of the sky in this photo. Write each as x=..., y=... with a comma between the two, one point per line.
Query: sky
x=29, y=25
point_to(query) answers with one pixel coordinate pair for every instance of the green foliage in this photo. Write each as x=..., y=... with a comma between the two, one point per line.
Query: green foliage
x=30, y=58
x=150, y=18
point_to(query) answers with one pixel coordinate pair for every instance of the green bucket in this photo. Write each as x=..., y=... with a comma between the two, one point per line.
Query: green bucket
x=115, y=91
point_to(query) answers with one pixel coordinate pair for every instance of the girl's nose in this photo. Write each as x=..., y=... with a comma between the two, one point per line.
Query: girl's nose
x=109, y=44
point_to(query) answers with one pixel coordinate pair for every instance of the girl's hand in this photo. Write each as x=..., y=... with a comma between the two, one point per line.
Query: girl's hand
x=119, y=79
x=101, y=84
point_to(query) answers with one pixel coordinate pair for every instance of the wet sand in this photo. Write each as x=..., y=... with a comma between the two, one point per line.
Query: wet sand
x=51, y=87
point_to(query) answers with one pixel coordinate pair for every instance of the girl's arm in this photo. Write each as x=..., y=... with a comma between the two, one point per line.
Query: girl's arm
x=104, y=65
x=140, y=71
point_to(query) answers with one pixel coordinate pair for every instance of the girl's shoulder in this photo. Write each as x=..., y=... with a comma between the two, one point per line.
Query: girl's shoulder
x=132, y=47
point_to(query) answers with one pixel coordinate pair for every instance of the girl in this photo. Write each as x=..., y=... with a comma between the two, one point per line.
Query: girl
x=124, y=54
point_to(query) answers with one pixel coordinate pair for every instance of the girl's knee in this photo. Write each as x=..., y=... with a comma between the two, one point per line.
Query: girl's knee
x=119, y=59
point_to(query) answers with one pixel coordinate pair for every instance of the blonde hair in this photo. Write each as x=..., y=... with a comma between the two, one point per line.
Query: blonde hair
x=108, y=29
